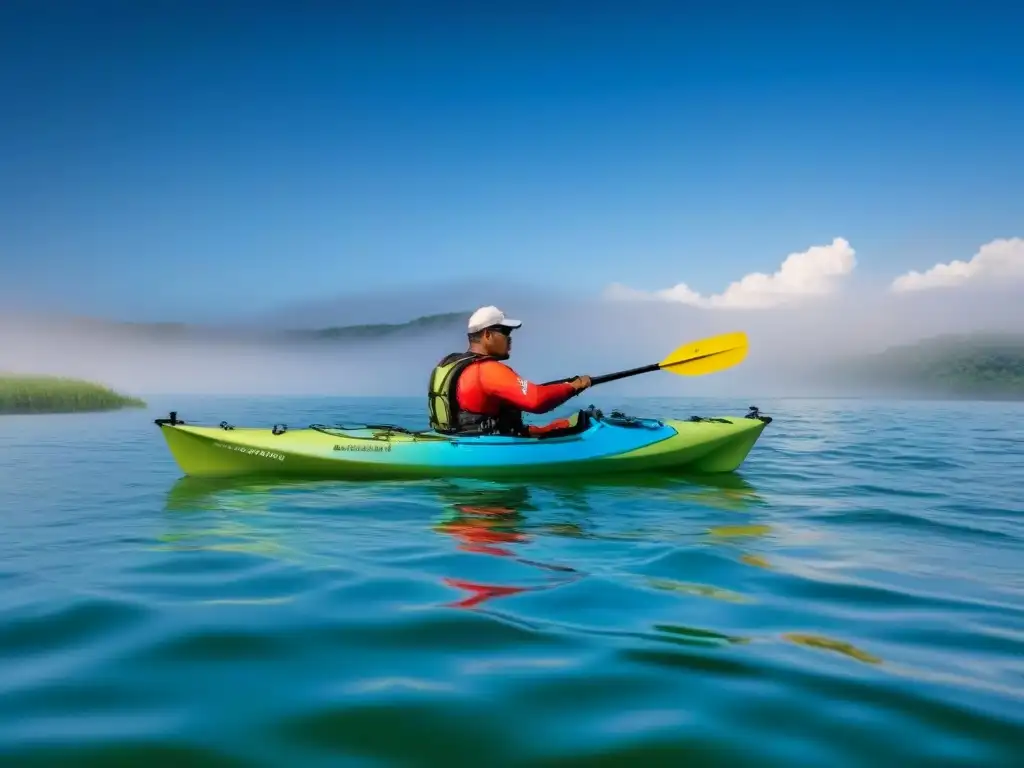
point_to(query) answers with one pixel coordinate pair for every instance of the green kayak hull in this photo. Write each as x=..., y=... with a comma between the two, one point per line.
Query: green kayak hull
x=615, y=444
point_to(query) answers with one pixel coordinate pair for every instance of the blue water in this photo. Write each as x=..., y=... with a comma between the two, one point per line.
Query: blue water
x=853, y=596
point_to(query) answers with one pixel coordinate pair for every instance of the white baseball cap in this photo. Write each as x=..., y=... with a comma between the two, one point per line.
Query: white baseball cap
x=486, y=317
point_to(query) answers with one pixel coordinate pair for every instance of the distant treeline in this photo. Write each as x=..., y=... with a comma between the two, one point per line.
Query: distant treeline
x=976, y=365
x=51, y=394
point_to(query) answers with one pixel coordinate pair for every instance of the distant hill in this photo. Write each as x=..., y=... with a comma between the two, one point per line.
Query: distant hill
x=983, y=366
x=376, y=330
x=177, y=331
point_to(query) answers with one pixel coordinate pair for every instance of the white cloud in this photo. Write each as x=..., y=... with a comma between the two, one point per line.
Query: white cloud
x=814, y=272
x=1002, y=258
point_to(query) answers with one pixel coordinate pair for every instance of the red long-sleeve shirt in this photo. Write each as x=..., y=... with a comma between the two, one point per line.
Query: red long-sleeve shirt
x=484, y=386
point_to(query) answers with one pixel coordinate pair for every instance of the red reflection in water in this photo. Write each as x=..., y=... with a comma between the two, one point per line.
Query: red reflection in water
x=480, y=593
x=479, y=530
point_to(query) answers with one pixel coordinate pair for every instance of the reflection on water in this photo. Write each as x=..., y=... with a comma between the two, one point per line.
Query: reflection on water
x=506, y=506
x=482, y=520
x=704, y=590
x=223, y=516
x=828, y=644
x=738, y=531
x=681, y=635
x=755, y=560
x=482, y=517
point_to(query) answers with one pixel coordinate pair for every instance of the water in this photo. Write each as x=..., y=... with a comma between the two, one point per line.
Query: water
x=853, y=596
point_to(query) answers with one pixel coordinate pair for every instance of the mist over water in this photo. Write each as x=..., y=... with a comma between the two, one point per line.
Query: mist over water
x=561, y=336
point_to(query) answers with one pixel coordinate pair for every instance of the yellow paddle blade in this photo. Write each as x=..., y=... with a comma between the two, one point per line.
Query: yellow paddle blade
x=716, y=353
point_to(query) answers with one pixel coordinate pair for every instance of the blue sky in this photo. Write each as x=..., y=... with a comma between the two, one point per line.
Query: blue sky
x=196, y=164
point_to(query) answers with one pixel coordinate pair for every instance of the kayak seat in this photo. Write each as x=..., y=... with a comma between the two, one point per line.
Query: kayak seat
x=580, y=421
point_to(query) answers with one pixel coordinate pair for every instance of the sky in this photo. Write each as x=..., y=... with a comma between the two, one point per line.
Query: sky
x=170, y=161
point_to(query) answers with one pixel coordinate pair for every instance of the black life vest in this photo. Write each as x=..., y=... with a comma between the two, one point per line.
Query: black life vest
x=447, y=417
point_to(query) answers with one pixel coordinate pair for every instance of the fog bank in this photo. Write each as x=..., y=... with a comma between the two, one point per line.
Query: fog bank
x=560, y=337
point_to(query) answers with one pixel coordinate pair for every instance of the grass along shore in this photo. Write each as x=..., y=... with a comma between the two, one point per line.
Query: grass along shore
x=21, y=394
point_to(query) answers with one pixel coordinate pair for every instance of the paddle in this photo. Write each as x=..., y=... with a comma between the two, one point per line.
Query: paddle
x=695, y=358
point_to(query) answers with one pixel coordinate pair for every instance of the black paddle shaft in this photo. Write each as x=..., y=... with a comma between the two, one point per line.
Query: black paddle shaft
x=642, y=369
x=613, y=376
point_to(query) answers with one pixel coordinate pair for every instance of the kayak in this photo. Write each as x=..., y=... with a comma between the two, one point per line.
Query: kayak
x=607, y=444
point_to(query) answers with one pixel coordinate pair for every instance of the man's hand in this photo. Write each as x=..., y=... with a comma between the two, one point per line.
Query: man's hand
x=580, y=383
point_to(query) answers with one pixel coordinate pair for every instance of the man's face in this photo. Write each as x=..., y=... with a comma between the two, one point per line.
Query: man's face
x=498, y=342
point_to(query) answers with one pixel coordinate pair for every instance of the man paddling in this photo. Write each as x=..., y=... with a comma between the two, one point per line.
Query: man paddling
x=474, y=393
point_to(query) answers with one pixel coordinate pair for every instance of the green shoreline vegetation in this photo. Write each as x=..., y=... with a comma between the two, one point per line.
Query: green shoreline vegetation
x=27, y=394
